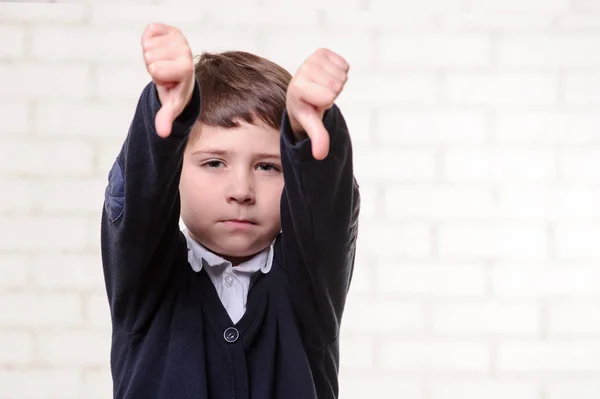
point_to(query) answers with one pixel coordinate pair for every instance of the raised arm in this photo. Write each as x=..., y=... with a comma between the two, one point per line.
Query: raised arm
x=320, y=203
x=140, y=237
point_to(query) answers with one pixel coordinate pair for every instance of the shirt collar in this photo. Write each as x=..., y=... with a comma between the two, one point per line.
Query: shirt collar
x=199, y=255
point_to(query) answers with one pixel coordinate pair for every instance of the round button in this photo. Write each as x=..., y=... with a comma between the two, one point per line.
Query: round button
x=231, y=334
x=228, y=280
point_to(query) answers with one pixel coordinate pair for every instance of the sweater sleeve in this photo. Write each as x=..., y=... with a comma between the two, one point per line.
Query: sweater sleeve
x=319, y=221
x=140, y=238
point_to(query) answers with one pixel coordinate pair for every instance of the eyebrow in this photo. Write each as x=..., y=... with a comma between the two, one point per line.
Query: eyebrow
x=210, y=151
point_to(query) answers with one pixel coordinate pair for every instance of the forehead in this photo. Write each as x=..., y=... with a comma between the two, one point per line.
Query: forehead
x=248, y=138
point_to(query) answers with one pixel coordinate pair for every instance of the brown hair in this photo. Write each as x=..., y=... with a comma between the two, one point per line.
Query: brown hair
x=236, y=85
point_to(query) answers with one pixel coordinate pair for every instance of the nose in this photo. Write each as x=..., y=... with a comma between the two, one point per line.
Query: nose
x=241, y=188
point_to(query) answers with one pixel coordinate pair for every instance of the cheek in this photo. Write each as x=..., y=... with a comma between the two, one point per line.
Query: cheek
x=196, y=189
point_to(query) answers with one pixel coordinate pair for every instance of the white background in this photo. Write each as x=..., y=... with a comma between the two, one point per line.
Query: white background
x=476, y=128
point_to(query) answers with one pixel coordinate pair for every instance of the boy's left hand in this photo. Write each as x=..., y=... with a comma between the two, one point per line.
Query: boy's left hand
x=312, y=91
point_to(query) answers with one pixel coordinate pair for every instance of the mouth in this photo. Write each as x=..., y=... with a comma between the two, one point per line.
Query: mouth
x=240, y=222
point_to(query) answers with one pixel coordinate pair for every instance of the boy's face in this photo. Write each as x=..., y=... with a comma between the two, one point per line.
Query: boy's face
x=231, y=185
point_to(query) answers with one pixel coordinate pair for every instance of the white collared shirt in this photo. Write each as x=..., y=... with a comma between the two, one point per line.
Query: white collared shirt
x=232, y=283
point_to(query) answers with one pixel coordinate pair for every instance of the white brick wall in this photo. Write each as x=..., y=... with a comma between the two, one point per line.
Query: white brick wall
x=476, y=127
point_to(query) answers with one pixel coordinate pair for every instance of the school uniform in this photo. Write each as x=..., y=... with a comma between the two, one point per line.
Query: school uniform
x=175, y=333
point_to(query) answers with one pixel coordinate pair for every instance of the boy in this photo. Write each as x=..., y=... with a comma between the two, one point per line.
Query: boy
x=247, y=302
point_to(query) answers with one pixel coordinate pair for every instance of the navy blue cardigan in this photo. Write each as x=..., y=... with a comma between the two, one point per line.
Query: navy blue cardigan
x=171, y=336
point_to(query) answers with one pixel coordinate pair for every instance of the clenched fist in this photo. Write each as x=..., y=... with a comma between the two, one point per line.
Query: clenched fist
x=311, y=92
x=170, y=63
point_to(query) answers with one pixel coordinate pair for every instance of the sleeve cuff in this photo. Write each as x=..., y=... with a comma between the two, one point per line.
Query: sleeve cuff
x=182, y=125
x=302, y=149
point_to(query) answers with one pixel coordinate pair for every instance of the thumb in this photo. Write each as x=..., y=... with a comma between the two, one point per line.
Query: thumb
x=312, y=123
x=164, y=120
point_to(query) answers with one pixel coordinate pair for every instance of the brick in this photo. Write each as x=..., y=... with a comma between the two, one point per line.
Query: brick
x=291, y=49
x=67, y=271
x=387, y=165
x=578, y=241
x=530, y=127
x=369, y=201
x=98, y=312
x=215, y=40
x=359, y=122
x=425, y=6
x=549, y=357
x=499, y=165
x=385, y=89
x=138, y=16
x=46, y=158
x=13, y=271
x=49, y=384
x=36, y=13
x=407, y=239
x=430, y=280
x=107, y=153
x=97, y=384
x=72, y=196
x=15, y=117
x=578, y=22
x=85, y=43
x=259, y=18
x=74, y=348
x=571, y=203
x=548, y=51
x=52, y=233
x=471, y=388
x=435, y=357
x=398, y=126
x=291, y=4
x=97, y=119
x=364, y=386
x=362, y=280
x=582, y=89
x=491, y=318
x=523, y=6
x=43, y=310
x=434, y=50
x=380, y=19
x=534, y=281
x=574, y=319
x=397, y=316
x=44, y=81
x=20, y=198
x=493, y=21
x=585, y=6
x=501, y=89
x=121, y=83
x=16, y=348
x=357, y=353
x=580, y=165
x=569, y=389
x=497, y=240
x=12, y=41
x=437, y=202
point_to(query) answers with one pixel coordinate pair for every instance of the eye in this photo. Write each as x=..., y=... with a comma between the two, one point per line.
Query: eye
x=213, y=164
x=268, y=167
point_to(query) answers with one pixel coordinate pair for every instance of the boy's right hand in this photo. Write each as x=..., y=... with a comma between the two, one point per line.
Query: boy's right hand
x=169, y=61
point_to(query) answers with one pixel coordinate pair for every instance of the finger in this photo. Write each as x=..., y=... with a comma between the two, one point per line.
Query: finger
x=155, y=29
x=164, y=120
x=338, y=60
x=324, y=77
x=331, y=68
x=167, y=54
x=315, y=94
x=311, y=122
x=171, y=71
x=169, y=40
